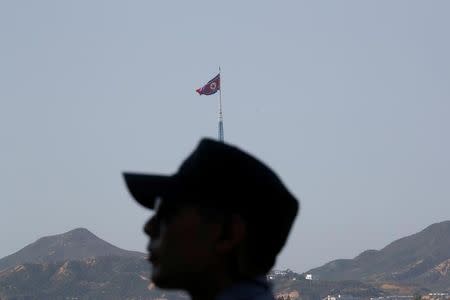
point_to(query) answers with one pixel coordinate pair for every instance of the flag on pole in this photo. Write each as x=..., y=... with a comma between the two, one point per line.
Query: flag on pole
x=211, y=87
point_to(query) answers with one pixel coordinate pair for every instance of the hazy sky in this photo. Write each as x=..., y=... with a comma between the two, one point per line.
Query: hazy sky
x=349, y=101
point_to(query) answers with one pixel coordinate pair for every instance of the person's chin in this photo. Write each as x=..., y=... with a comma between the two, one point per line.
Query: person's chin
x=157, y=277
x=162, y=283
x=155, y=272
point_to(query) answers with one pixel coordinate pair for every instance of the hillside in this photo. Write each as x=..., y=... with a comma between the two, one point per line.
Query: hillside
x=420, y=259
x=79, y=265
x=291, y=285
x=76, y=244
x=102, y=278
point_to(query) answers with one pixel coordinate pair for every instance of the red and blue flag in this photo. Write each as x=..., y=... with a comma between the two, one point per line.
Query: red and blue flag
x=211, y=87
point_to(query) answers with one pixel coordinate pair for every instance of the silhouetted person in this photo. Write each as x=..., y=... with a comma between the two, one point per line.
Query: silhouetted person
x=219, y=223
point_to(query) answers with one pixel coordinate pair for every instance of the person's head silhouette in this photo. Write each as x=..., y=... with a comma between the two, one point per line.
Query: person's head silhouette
x=219, y=222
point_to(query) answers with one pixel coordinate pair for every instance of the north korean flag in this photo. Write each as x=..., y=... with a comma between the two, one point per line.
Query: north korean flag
x=211, y=87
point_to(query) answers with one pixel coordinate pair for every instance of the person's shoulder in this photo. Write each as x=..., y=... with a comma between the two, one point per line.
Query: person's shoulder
x=253, y=289
x=266, y=295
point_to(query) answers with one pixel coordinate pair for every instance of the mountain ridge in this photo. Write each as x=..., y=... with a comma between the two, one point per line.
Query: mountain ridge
x=409, y=259
x=75, y=244
x=78, y=264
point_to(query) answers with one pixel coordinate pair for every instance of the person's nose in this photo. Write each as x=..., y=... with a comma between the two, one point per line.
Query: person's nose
x=151, y=228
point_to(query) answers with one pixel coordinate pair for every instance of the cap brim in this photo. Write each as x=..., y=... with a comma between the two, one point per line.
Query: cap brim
x=147, y=188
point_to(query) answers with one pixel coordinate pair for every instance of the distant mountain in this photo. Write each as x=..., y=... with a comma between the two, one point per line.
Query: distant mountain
x=76, y=244
x=421, y=259
x=77, y=265
x=101, y=278
x=290, y=285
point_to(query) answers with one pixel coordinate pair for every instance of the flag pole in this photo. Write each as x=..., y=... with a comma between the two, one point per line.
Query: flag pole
x=220, y=110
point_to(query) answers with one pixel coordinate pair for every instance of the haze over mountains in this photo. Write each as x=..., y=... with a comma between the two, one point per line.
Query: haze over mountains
x=79, y=264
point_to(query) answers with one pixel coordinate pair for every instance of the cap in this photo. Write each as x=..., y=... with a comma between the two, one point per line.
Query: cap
x=219, y=172
x=221, y=176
